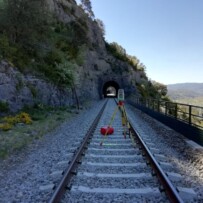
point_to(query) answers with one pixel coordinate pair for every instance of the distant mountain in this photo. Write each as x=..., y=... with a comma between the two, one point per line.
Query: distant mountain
x=190, y=93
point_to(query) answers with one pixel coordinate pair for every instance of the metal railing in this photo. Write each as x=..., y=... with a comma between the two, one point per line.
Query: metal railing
x=190, y=114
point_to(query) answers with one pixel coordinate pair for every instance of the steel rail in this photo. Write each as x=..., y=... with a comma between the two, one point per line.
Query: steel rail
x=169, y=189
x=70, y=171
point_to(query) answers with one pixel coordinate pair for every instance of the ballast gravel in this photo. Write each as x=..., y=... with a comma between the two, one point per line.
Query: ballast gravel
x=41, y=165
x=104, y=178
x=25, y=176
x=185, y=160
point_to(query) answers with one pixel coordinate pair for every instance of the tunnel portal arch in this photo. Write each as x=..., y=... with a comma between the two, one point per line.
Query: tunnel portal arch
x=110, y=89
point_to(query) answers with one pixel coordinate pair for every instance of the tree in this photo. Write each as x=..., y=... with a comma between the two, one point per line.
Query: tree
x=23, y=21
x=160, y=88
x=133, y=61
x=87, y=6
x=141, y=67
x=118, y=48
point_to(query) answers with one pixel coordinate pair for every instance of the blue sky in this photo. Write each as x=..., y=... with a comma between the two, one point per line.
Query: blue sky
x=165, y=35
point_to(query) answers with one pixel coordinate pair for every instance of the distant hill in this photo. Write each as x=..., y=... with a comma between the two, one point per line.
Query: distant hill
x=189, y=93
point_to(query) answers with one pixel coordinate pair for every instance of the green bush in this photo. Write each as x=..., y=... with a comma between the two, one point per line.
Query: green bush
x=4, y=107
x=32, y=89
x=53, y=57
x=13, y=52
x=41, y=45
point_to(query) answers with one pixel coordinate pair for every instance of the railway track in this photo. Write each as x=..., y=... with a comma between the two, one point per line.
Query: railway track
x=121, y=170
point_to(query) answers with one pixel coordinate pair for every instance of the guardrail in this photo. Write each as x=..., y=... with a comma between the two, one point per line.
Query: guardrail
x=190, y=114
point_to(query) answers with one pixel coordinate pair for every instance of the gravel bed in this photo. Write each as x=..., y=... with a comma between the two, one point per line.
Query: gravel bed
x=22, y=174
x=115, y=160
x=113, y=165
x=107, y=152
x=185, y=160
x=111, y=146
x=114, y=141
x=112, y=198
x=108, y=169
x=131, y=183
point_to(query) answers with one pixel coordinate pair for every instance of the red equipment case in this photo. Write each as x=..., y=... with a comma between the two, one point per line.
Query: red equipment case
x=107, y=130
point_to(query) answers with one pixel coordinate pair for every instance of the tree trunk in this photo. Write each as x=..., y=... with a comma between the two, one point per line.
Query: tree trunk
x=76, y=96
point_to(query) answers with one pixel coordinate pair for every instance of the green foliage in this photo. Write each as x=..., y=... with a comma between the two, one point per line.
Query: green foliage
x=79, y=31
x=23, y=25
x=4, y=107
x=64, y=72
x=14, y=53
x=53, y=57
x=142, y=90
x=44, y=120
x=22, y=117
x=68, y=42
x=117, y=51
x=120, y=53
x=87, y=6
x=133, y=61
x=72, y=37
x=152, y=89
x=161, y=88
x=68, y=9
x=32, y=40
x=81, y=55
x=5, y=126
x=32, y=89
x=24, y=21
x=20, y=83
x=156, y=90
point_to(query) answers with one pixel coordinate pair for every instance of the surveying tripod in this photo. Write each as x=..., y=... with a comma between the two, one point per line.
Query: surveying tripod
x=125, y=123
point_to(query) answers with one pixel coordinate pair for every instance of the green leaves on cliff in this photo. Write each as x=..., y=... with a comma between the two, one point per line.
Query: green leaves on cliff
x=146, y=87
x=24, y=21
x=120, y=53
x=33, y=40
x=4, y=107
x=24, y=25
x=152, y=89
x=87, y=6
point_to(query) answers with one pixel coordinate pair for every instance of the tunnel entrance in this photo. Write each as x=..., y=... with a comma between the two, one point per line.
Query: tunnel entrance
x=110, y=89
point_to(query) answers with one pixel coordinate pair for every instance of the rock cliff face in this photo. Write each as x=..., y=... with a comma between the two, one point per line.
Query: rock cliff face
x=20, y=90
x=99, y=67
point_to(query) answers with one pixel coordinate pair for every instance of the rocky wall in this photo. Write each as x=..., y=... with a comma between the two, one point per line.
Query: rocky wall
x=19, y=90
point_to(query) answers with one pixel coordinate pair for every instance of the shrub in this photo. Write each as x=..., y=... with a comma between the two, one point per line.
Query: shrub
x=53, y=57
x=41, y=43
x=19, y=118
x=32, y=89
x=14, y=53
x=4, y=107
x=5, y=126
x=25, y=118
x=11, y=120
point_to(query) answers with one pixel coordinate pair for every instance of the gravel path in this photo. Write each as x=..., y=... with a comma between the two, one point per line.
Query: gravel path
x=23, y=175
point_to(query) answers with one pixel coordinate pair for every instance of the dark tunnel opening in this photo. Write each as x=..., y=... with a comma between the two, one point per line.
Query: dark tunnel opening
x=110, y=89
